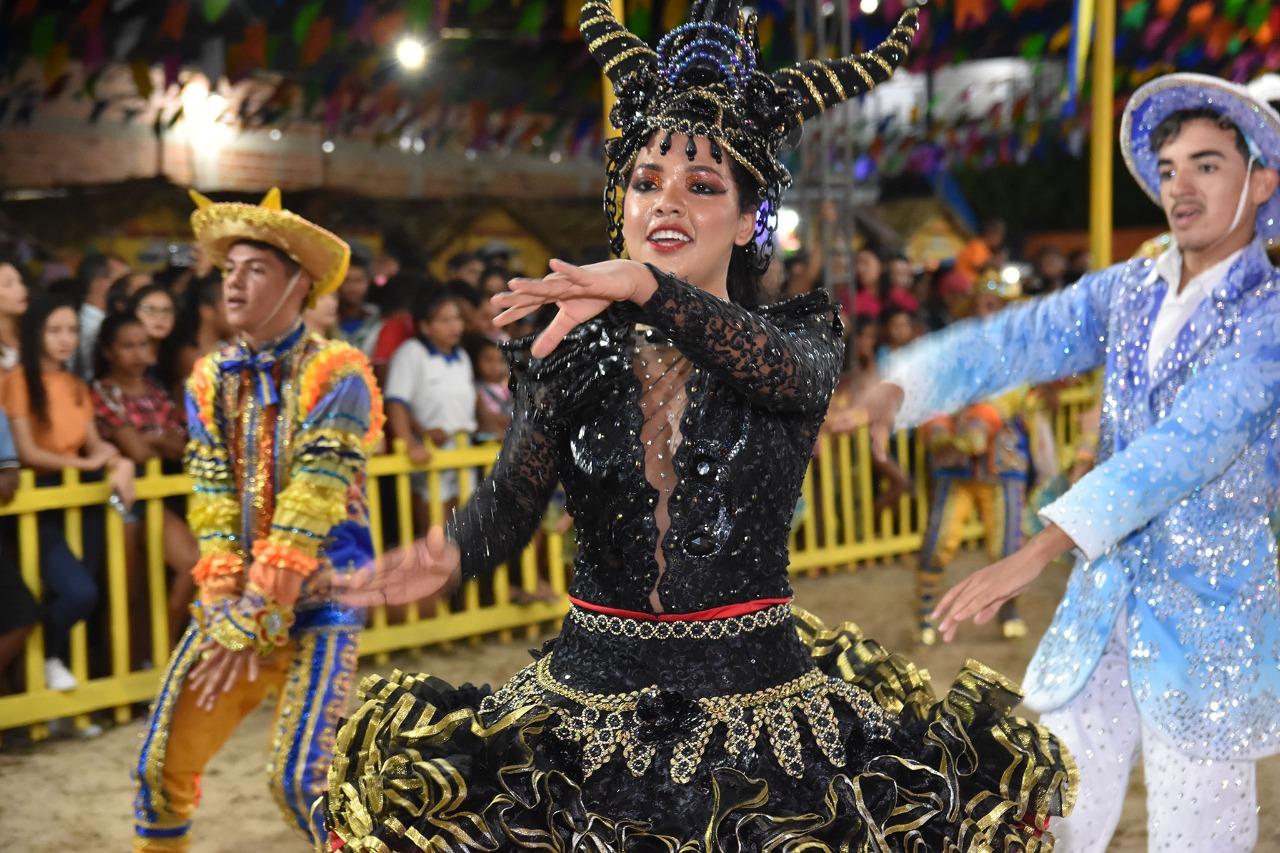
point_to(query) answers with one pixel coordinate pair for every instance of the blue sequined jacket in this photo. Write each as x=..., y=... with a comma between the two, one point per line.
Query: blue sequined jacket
x=1172, y=523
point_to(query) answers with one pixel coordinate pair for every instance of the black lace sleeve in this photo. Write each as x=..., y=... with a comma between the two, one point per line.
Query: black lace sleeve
x=588, y=368
x=500, y=517
x=785, y=356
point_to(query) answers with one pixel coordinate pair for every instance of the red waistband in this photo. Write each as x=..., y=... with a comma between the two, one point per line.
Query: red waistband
x=728, y=611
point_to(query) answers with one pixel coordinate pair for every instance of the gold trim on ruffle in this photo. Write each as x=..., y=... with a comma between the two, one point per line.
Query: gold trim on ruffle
x=395, y=775
x=606, y=723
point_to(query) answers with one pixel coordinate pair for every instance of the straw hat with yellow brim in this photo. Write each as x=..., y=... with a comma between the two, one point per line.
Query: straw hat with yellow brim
x=1155, y=101
x=323, y=255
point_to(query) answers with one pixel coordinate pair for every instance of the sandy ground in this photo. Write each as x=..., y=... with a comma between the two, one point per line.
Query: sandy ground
x=75, y=795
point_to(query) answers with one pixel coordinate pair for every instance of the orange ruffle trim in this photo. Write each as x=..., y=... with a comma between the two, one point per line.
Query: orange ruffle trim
x=216, y=565
x=276, y=556
x=326, y=367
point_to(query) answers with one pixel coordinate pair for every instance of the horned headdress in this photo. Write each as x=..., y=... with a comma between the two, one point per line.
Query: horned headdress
x=703, y=80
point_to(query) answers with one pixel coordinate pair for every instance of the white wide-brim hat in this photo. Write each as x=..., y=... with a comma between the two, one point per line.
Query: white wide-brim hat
x=1155, y=101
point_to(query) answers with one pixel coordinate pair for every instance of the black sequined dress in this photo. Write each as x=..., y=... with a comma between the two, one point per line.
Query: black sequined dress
x=681, y=432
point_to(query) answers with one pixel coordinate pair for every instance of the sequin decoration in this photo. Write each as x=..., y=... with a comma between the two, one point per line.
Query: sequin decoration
x=1173, y=521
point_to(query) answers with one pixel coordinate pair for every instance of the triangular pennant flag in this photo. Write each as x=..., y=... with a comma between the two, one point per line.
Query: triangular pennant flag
x=141, y=73
x=318, y=41
x=303, y=22
x=175, y=20
x=531, y=17
x=215, y=9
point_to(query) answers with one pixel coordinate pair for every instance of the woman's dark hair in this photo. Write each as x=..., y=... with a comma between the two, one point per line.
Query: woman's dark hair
x=473, y=345
x=428, y=302
x=118, y=294
x=186, y=326
x=31, y=347
x=459, y=289
x=744, y=276
x=7, y=259
x=135, y=301
x=107, y=334
x=399, y=291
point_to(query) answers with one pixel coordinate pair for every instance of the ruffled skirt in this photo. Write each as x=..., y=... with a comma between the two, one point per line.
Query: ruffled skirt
x=855, y=753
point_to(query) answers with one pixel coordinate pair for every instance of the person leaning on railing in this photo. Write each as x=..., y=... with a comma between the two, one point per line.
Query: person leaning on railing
x=138, y=416
x=18, y=609
x=52, y=420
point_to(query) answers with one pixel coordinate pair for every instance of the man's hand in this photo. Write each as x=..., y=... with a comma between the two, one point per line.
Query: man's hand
x=438, y=436
x=425, y=568
x=880, y=402
x=418, y=453
x=979, y=596
x=218, y=671
x=121, y=480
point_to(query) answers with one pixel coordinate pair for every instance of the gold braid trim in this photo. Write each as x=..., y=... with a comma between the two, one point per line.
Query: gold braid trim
x=623, y=56
x=834, y=81
x=813, y=90
x=880, y=60
x=607, y=37
x=862, y=72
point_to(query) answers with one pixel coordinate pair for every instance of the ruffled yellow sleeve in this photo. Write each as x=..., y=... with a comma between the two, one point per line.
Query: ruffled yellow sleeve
x=213, y=510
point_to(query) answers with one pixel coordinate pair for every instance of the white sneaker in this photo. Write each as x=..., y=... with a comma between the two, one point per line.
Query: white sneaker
x=58, y=677
x=65, y=727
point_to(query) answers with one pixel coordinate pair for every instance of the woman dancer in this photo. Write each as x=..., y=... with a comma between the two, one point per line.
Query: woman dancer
x=686, y=705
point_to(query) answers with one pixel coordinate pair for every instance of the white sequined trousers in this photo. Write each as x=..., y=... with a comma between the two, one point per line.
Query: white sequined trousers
x=1193, y=805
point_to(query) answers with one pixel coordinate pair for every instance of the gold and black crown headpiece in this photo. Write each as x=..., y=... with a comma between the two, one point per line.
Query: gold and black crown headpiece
x=703, y=80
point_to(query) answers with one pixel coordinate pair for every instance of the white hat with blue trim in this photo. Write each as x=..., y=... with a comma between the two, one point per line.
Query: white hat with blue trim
x=1163, y=96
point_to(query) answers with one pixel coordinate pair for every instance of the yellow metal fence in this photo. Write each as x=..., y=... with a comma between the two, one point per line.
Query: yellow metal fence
x=836, y=528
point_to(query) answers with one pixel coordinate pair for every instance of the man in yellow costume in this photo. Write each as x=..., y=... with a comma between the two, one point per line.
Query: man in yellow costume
x=981, y=463
x=280, y=426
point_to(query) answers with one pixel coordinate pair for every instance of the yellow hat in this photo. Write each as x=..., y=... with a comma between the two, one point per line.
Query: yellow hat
x=323, y=255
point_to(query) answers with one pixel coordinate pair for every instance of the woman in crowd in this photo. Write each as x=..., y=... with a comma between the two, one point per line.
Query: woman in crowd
x=136, y=415
x=321, y=317
x=51, y=415
x=201, y=329
x=13, y=304
x=156, y=311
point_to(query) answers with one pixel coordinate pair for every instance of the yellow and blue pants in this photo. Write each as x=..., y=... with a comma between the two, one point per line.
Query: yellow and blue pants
x=998, y=505
x=312, y=676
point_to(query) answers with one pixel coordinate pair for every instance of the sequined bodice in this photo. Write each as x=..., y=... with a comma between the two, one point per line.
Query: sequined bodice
x=681, y=432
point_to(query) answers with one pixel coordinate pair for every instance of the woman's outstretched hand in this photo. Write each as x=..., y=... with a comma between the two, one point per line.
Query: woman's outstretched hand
x=979, y=596
x=580, y=293
x=425, y=568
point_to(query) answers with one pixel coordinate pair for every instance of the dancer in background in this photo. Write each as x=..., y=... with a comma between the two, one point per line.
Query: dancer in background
x=686, y=705
x=1166, y=640
x=280, y=425
x=981, y=463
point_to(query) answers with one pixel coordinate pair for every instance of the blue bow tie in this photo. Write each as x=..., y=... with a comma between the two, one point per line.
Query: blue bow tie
x=262, y=364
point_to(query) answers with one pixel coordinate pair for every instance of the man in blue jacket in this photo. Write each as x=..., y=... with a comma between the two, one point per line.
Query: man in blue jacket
x=1167, y=641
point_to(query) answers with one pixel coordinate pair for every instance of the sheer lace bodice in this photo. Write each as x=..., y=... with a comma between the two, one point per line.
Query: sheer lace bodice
x=681, y=431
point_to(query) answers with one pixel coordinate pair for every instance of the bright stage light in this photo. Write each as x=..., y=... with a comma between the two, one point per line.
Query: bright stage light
x=327, y=146
x=411, y=53
x=200, y=106
x=869, y=7
x=1011, y=274
x=788, y=220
